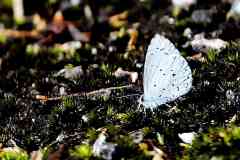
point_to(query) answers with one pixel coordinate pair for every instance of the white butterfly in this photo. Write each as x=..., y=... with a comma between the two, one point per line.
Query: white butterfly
x=167, y=75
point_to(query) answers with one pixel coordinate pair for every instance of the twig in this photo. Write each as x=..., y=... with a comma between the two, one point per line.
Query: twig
x=92, y=93
x=20, y=34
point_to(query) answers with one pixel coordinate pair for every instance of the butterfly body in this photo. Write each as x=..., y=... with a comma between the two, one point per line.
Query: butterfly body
x=167, y=75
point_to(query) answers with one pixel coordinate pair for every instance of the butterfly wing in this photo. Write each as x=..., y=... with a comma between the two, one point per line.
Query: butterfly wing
x=156, y=57
x=180, y=78
x=165, y=73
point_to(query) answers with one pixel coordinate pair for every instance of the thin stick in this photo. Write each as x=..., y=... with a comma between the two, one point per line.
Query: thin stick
x=137, y=94
x=92, y=93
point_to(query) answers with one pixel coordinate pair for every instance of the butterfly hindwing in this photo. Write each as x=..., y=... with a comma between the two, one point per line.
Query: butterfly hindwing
x=156, y=59
x=180, y=78
x=166, y=73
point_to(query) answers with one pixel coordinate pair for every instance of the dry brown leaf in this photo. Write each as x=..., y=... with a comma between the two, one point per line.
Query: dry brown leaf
x=39, y=22
x=36, y=155
x=20, y=34
x=58, y=18
x=198, y=57
x=133, y=33
x=57, y=154
x=150, y=149
x=119, y=20
x=41, y=97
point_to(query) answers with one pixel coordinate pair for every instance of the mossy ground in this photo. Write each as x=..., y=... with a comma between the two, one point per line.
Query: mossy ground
x=24, y=73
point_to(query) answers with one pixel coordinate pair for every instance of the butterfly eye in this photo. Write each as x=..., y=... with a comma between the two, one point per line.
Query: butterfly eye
x=173, y=74
x=164, y=74
x=154, y=85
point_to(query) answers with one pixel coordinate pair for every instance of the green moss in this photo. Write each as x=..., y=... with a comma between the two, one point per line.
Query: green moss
x=46, y=151
x=68, y=102
x=7, y=3
x=20, y=21
x=232, y=53
x=217, y=143
x=13, y=155
x=107, y=71
x=83, y=151
x=32, y=49
x=3, y=39
x=182, y=22
x=91, y=134
x=212, y=55
x=124, y=117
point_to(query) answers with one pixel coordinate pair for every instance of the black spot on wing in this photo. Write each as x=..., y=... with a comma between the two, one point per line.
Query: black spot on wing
x=185, y=69
x=160, y=49
x=186, y=85
x=186, y=79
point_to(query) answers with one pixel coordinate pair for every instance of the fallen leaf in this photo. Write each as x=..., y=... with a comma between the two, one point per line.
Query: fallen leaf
x=39, y=23
x=103, y=149
x=204, y=45
x=187, y=137
x=36, y=155
x=57, y=154
x=133, y=33
x=122, y=73
x=183, y=3
x=119, y=20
